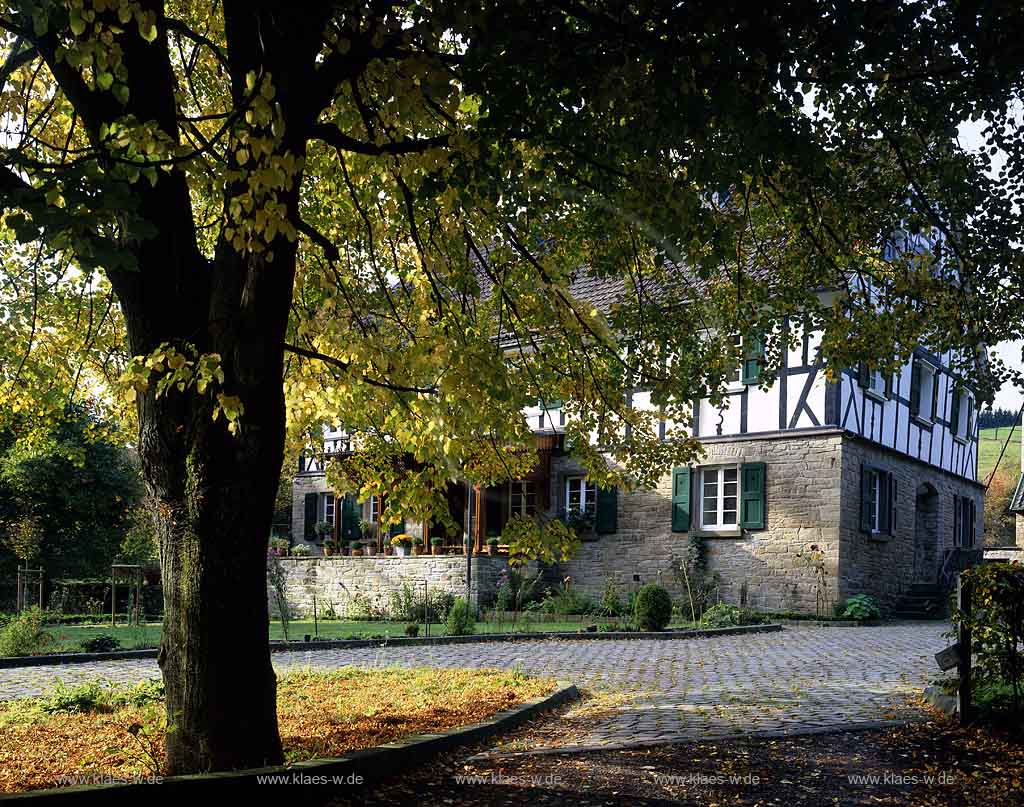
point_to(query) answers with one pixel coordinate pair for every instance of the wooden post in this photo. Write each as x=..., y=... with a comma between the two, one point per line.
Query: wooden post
x=963, y=594
x=113, y=599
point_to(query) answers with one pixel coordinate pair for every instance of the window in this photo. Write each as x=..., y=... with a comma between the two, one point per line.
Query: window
x=961, y=414
x=964, y=515
x=878, y=384
x=874, y=382
x=551, y=413
x=719, y=497
x=878, y=501
x=580, y=495
x=522, y=498
x=327, y=507
x=749, y=370
x=374, y=510
x=923, y=384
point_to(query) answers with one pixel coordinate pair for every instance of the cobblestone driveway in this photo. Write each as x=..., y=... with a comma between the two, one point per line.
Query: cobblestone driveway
x=797, y=680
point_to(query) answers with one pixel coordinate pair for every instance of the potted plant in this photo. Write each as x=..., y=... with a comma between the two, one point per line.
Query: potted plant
x=301, y=551
x=402, y=544
x=492, y=545
x=356, y=548
x=323, y=529
x=369, y=548
x=279, y=546
x=417, y=545
x=330, y=547
x=436, y=546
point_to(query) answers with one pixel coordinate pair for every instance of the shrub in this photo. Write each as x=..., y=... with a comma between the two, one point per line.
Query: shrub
x=412, y=630
x=301, y=551
x=564, y=600
x=89, y=696
x=437, y=541
x=997, y=629
x=103, y=643
x=862, y=607
x=611, y=603
x=722, y=615
x=653, y=608
x=461, y=620
x=23, y=635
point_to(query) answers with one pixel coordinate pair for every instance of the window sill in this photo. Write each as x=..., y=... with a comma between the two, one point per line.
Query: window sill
x=961, y=440
x=731, y=533
x=924, y=423
x=881, y=397
x=879, y=537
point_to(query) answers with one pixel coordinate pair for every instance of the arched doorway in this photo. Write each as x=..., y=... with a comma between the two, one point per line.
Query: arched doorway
x=926, y=534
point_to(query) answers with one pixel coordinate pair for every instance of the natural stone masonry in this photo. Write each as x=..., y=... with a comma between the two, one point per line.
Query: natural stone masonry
x=793, y=681
x=337, y=582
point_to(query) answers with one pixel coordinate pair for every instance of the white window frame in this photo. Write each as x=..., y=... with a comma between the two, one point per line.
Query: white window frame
x=527, y=489
x=966, y=407
x=588, y=495
x=735, y=380
x=876, y=384
x=875, y=491
x=926, y=406
x=328, y=504
x=373, y=509
x=719, y=471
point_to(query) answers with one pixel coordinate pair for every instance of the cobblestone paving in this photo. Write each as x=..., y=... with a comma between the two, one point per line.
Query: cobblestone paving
x=794, y=681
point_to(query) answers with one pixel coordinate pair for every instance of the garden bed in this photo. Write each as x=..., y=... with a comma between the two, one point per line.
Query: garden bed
x=98, y=731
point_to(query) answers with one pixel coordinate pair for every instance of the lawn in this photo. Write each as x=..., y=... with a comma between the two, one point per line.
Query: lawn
x=68, y=638
x=991, y=443
x=98, y=731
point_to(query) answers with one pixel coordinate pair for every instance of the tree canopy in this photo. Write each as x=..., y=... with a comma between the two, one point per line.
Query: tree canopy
x=357, y=207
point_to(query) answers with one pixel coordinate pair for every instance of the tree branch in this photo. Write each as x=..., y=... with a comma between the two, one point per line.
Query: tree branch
x=334, y=137
x=346, y=367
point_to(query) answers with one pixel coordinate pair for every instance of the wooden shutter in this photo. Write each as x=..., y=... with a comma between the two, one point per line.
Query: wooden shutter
x=865, y=498
x=886, y=503
x=958, y=537
x=967, y=521
x=752, y=496
x=888, y=385
x=312, y=510
x=935, y=394
x=681, y=500
x=607, y=520
x=396, y=529
x=864, y=374
x=915, y=388
x=349, y=519
x=753, y=356
x=954, y=413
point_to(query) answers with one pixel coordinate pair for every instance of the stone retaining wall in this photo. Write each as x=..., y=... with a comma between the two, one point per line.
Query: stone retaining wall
x=335, y=582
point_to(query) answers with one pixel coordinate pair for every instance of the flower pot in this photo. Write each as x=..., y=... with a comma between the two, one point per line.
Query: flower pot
x=389, y=550
x=357, y=553
x=492, y=550
x=417, y=550
x=370, y=550
x=402, y=551
x=328, y=552
x=437, y=549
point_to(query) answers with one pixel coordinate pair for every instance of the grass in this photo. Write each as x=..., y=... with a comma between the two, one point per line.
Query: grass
x=991, y=443
x=68, y=638
x=99, y=731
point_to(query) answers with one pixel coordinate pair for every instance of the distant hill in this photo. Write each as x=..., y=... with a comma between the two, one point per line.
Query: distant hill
x=991, y=443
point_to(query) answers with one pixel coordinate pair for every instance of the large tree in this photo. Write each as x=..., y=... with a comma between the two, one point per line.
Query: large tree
x=348, y=202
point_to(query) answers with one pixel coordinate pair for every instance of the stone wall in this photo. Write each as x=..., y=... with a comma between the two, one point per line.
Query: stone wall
x=772, y=566
x=886, y=566
x=336, y=581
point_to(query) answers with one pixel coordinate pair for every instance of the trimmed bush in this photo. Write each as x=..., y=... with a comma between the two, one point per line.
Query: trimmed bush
x=653, y=608
x=461, y=620
x=862, y=607
x=104, y=643
x=722, y=615
x=23, y=635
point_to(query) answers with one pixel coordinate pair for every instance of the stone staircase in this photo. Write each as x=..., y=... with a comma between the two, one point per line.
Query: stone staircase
x=921, y=601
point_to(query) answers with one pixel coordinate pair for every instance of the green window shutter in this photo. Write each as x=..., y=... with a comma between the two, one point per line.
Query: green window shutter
x=974, y=514
x=886, y=490
x=863, y=374
x=954, y=412
x=349, y=519
x=957, y=528
x=935, y=395
x=752, y=358
x=607, y=518
x=752, y=496
x=915, y=388
x=312, y=511
x=888, y=385
x=681, y=500
x=550, y=405
x=865, y=499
